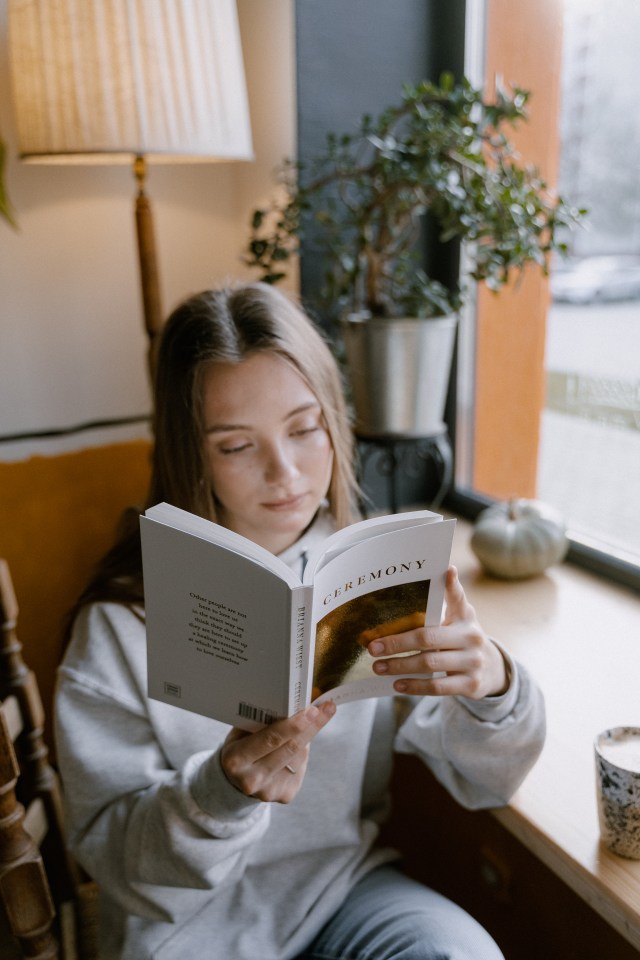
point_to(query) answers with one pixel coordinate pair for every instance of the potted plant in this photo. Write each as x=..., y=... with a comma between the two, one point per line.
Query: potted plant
x=443, y=151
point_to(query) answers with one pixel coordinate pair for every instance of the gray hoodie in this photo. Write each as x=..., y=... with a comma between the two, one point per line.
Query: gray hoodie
x=189, y=866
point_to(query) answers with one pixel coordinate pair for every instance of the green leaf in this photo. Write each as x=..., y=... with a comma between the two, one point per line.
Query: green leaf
x=442, y=150
x=273, y=277
x=258, y=248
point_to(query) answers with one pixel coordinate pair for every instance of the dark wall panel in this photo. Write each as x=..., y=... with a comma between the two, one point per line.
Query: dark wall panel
x=353, y=57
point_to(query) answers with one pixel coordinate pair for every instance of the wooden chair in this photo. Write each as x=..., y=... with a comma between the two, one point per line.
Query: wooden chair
x=49, y=906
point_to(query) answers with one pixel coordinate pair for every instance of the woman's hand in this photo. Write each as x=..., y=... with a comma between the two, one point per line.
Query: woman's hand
x=271, y=763
x=459, y=648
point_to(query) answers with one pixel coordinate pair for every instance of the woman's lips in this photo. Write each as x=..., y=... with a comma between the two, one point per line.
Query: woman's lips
x=291, y=503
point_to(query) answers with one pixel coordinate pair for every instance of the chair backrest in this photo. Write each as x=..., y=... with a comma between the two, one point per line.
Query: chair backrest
x=24, y=888
x=43, y=892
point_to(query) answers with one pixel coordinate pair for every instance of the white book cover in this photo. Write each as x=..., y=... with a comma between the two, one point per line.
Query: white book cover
x=234, y=634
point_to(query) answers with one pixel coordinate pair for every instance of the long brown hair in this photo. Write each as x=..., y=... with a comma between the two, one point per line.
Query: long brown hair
x=224, y=325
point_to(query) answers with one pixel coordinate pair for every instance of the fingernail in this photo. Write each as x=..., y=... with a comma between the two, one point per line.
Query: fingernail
x=328, y=708
x=400, y=686
x=382, y=667
x=376, y=648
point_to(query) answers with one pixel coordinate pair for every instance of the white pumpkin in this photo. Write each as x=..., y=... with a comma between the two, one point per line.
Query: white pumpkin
x=519, y=538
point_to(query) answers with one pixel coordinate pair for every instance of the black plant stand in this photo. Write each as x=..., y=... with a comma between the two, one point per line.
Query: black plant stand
x=396, y=455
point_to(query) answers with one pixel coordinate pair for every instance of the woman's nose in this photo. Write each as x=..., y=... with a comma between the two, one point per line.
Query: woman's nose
x=280, y=464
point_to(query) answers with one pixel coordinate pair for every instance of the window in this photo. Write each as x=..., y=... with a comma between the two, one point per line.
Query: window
x=589, y=462
x=549, y=396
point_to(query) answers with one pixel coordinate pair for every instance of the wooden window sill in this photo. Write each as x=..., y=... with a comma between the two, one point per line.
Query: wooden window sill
x=580, y=638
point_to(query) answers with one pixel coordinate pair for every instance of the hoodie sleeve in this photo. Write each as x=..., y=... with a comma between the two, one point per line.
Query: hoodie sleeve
x=159, y=839
x=480, y=750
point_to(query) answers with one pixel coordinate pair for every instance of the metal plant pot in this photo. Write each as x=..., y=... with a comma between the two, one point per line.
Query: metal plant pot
x=399, y=373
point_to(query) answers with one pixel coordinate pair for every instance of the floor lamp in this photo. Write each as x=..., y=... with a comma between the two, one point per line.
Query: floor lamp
x=113, y=81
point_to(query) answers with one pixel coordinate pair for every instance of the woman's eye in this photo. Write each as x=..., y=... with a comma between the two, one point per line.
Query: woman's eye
x=234, y=449
x=302, y=429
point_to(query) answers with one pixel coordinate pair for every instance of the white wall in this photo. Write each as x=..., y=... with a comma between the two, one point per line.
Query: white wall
x=72, y=341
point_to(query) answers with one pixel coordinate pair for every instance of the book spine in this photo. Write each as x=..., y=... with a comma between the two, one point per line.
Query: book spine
x=300, y=654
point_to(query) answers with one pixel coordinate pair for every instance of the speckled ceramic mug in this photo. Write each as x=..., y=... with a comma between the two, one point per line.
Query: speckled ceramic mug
x=618, y=766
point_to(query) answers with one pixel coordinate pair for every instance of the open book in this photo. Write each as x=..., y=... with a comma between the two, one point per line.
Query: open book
x=234, y=634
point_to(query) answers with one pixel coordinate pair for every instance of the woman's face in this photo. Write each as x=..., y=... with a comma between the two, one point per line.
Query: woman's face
x=268, y=449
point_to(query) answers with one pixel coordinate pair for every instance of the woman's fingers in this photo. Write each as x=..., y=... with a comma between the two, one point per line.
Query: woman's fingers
x=270, y=763
x=441, y=685
x=481, y=676
x=408, y=633
x=420, y=639
x=410, y=622
x=457, y=607
x=460, y=660
x=464, y=660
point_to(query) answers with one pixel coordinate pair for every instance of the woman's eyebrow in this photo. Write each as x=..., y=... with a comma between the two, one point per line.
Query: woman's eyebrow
x=311, y=405
x=226, y=427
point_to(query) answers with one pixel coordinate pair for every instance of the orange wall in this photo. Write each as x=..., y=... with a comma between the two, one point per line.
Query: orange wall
x=524, y=49
x=58, y=515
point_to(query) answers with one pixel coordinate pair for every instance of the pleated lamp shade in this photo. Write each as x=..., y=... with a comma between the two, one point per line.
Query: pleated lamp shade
x=105, y=80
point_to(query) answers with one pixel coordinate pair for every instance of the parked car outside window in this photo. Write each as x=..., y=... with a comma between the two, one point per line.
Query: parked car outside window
x=595, y=279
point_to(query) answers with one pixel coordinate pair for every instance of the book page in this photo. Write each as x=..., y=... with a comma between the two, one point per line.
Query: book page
x=215, y=533
x=231, y=630
x=341, y=540
x=219, y=631
x=396, y=579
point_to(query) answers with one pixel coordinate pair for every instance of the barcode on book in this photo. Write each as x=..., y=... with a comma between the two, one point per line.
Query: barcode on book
x=248, y=712
x=172, y=689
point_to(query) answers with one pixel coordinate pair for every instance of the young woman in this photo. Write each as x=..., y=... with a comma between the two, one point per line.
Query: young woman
x=211, y=842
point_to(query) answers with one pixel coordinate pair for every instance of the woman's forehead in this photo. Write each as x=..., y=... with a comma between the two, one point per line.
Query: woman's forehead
x=263, y=384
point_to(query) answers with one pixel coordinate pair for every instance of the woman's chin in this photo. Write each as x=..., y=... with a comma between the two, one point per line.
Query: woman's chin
x=285, y=528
